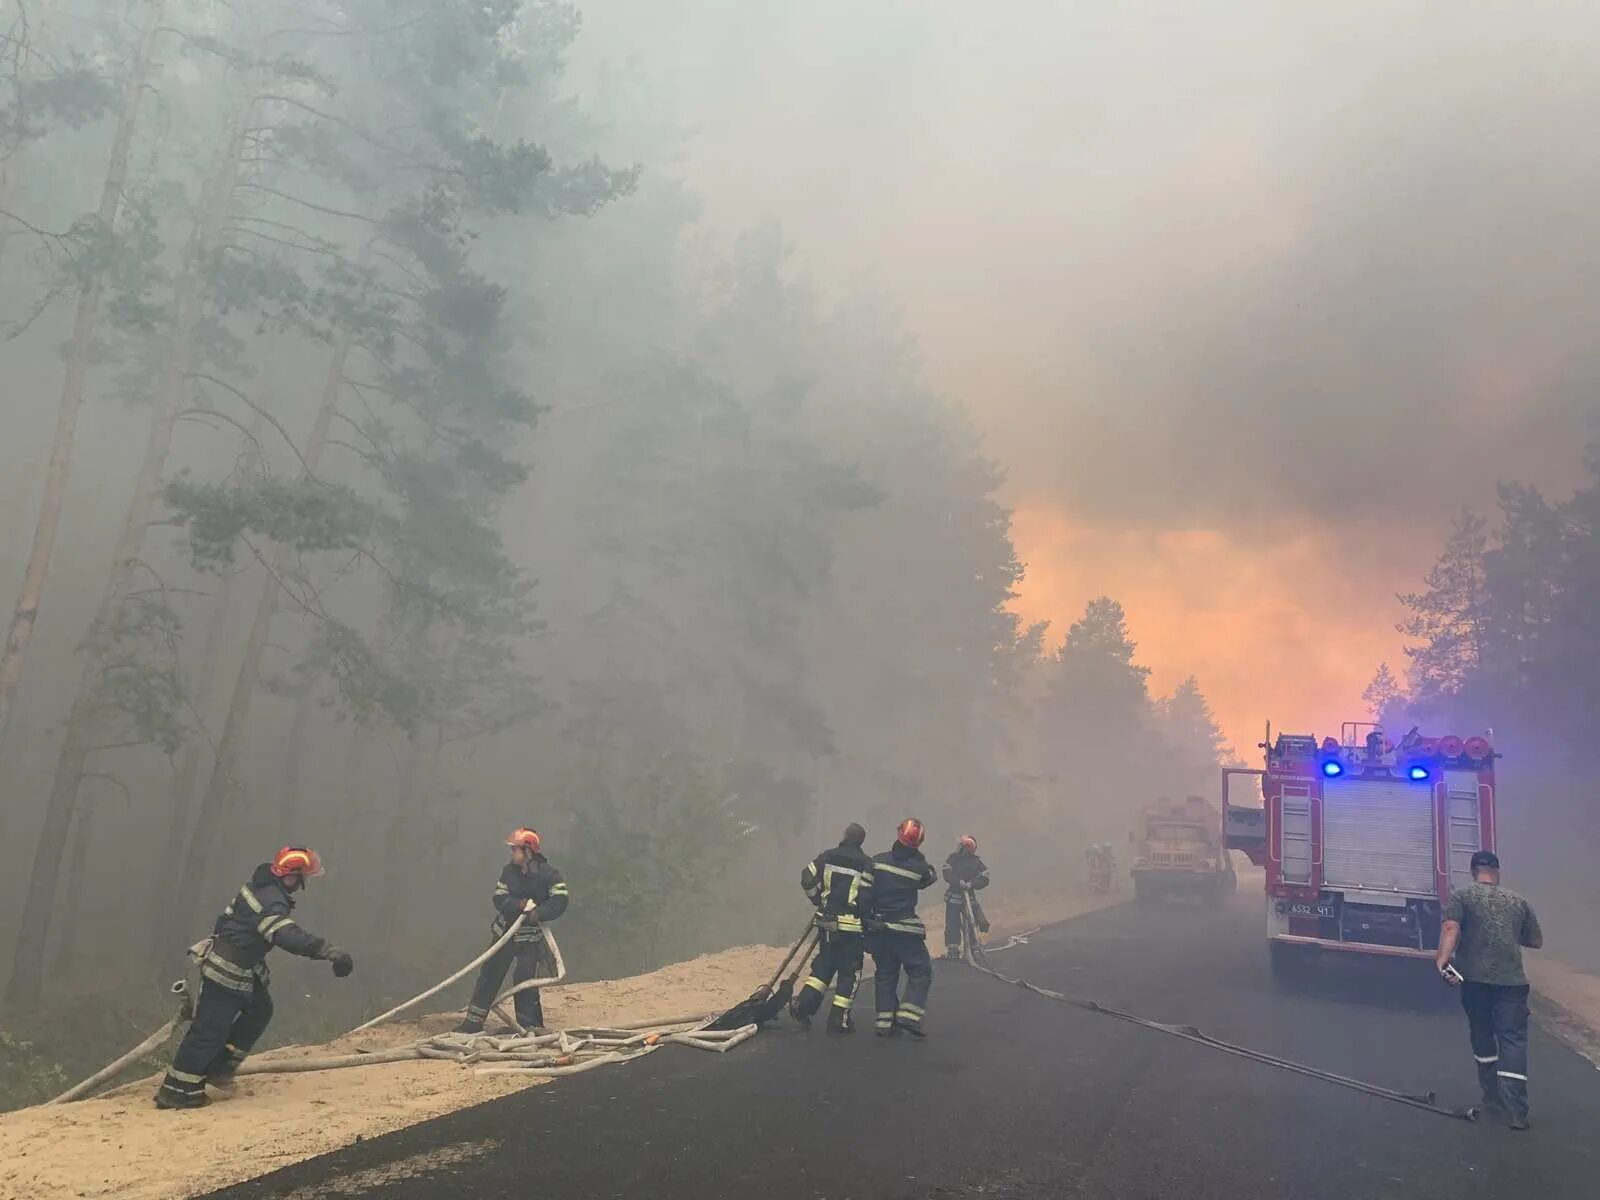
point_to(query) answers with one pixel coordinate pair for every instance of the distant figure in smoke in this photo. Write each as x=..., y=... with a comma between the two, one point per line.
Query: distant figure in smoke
x=898, y=939
x=1485, y=927
x=528, y=884
x=837, y=881
x=966, y=875
x=234, y=1007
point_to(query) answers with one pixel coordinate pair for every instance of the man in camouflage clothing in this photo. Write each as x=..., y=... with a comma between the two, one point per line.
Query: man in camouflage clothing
x=1485, y=927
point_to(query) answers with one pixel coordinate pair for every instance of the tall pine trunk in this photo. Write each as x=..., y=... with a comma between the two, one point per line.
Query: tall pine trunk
x=77, y=870
x=78, y=743
x=305, y=704
x=213, y=803
x=164, y=946
x=85, y=320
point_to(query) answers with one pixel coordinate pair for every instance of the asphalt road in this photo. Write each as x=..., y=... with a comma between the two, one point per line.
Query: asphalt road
x=1014, y=1097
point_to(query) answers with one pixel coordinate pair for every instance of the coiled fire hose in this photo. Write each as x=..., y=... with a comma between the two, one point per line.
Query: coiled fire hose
x=1426, y=1101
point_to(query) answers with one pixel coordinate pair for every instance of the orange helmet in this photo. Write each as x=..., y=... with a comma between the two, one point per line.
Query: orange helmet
x=296, y=860
x=527, y=838
x=968, y=842
x=910, y=833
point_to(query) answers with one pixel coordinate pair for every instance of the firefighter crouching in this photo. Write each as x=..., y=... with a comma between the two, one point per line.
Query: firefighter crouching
x=965, y=875
x=234, y=1006
x=836, y=881
x=898, y=940
x=528, y=884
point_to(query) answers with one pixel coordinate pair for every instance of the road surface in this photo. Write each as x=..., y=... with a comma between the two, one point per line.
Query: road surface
x=1014, y=1097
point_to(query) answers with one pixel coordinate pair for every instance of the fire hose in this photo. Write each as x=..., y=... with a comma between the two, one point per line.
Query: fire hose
x=1426, y=1101
x=180, y=989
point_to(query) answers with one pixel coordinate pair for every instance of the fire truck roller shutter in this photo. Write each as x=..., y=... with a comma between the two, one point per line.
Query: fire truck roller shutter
x=1378, y=834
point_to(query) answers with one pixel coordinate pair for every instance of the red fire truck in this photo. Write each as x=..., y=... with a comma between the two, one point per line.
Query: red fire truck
x=1362, y=840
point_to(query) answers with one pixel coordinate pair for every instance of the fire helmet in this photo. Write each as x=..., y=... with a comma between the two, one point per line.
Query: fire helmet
x=527, y=838
x=296, y=860
x=969, y=843
x=910, y=833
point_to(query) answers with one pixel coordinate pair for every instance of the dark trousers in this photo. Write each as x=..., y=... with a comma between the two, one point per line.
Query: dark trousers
x=1497, y=1019
x=952, y=920
x=530, y=959
x=226, y=1027
x=891, y=954
x=838, y=961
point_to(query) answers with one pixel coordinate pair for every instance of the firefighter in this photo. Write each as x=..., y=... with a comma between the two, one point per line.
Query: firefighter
x=234, y=1006
x=836, y=882
x=528, y=884
x=897, y=939
x=965, y=874
x=1485, y=927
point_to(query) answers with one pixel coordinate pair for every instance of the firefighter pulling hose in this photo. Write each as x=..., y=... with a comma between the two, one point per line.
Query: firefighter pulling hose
x=1424, y=1101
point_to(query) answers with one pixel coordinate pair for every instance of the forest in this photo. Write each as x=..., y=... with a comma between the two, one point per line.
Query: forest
x=395, y=456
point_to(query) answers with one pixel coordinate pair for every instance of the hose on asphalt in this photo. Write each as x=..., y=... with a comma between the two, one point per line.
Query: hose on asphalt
x=1425, y=1101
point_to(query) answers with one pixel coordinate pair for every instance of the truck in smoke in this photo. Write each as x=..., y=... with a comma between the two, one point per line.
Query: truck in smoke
x=1178, y=851
x=1361, y=840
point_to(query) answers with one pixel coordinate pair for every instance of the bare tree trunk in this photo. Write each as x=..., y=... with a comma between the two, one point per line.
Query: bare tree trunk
x=77, y=868
x=209, y=817
x=289, y=795
x=163, y=947
x=402, y=828
x=26, y=614
x=76, y=746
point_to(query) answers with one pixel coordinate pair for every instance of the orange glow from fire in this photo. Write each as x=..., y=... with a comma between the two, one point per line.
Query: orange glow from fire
x=1272, y=632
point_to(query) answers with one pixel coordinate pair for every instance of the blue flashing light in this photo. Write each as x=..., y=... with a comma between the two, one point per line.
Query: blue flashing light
x=1332, y=769
x=1418, y=773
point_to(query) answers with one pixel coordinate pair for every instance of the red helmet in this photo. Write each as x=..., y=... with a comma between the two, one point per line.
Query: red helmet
x=527, y=838
x=968, y=842
x=910, y=833
x=296, y=860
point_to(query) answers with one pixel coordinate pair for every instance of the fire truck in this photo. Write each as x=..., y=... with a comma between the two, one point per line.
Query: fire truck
x=1362, y=840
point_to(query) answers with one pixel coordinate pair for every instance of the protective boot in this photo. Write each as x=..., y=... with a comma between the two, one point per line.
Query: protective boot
x=914, y=1028
x=1489, y=1086
x=952, y=953
x=839, y=1020
x=469, y=1026
x=224, y=1080
x=165, y=1098
x=1514, y=1094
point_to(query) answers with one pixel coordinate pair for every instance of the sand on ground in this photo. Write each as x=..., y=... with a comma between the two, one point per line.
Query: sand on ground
x=120, y=1145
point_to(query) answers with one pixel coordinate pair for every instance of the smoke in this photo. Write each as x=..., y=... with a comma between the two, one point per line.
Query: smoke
x=1204, y=266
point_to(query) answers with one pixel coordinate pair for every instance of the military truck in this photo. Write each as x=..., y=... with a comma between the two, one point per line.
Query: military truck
x=1178, y=851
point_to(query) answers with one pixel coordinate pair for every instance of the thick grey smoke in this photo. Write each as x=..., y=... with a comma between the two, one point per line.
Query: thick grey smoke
x=1192, y=265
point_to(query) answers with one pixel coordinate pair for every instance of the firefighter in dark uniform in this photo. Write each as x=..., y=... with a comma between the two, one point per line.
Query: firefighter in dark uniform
x=965, y=874
x=836, y=882
x=897, y=939
x=234, y=1006
x=528, y=884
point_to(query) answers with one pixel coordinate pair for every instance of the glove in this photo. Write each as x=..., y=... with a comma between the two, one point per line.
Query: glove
x=343, y=964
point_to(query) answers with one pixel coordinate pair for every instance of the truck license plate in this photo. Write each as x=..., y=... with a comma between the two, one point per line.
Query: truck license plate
x=1321, y=909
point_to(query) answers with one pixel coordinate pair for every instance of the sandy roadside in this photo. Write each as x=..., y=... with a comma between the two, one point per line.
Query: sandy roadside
x=121, y=1146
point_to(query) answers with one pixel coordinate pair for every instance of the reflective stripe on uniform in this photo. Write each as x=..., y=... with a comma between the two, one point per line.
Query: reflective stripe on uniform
x=1486, y=1058
x=841, y=1001
x=815, y=984
x=885, y=1020
x=221, y=980
x=234, y=969
x=250, y=899
x=914, y=925
x=894, y=870
x=184, y=1076
x=1511, y=1075
x=560, y=889
x=848, y=923
x=908, y=1007
x=269, y=926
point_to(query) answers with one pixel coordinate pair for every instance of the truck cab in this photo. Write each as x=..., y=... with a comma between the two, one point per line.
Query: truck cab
x=1178, y=850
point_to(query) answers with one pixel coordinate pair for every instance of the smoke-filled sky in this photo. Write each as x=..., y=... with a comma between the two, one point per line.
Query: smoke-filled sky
x=1248, y=297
